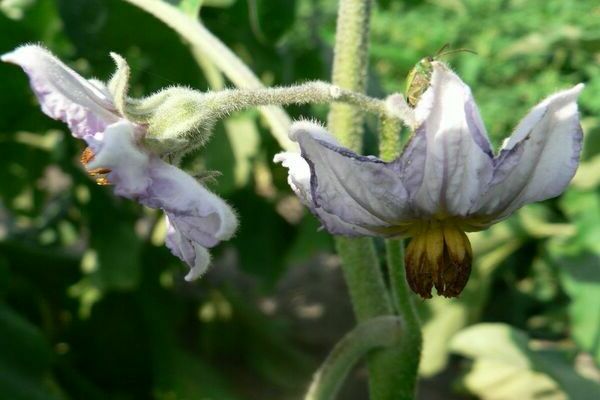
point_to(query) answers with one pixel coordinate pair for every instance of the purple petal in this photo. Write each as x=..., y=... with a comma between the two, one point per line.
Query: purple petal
x=539, y=159
x=63, y=94
x=458, y=164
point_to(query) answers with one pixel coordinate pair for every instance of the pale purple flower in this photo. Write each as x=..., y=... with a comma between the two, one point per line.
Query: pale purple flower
x=197, y=219
x=447, y=180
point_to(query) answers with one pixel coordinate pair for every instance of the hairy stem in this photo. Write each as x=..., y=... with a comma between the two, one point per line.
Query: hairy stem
x=233, y=68
x=409, y=351
x=373, y=334
x=350, y=68
x=232, y=100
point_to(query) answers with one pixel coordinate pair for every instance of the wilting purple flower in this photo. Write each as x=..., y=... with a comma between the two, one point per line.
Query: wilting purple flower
x=197, y=219
x=446, y=182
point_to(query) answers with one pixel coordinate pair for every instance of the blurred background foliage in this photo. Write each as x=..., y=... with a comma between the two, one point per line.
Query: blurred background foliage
x=92, y=306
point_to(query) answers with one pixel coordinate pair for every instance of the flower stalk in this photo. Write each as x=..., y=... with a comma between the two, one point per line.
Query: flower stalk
x=316, y=92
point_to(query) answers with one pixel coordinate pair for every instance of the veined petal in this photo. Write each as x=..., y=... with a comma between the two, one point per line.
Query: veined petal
x=193, y=254
x=184, y=198
x=116, y=150
x=458, y=164
x=363, y=192
x=299, y=181
x=198, y=219
x=63, y=94
x=539, y=159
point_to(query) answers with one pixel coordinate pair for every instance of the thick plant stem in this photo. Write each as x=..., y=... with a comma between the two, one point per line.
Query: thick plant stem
x=359, y=261
x=389, y=138
x=350, y=68
x=373, y=334
x=410, y=348
x=233, y=68
x=363, y=277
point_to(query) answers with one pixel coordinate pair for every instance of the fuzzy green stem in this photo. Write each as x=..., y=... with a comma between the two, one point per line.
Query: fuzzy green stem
x=373, y=334
x=228, y=101
x=350, y=68
x=410, y=348
x=233, y=68
x=389, y=138
x=363, y=277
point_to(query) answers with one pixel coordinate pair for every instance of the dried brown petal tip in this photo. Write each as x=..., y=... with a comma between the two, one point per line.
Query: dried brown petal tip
x=438, y=256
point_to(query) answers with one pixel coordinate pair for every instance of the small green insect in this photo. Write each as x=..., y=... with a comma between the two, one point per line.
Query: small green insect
x=419, y=77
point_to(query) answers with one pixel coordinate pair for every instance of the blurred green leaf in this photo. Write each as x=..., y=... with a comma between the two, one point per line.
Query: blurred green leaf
x=578, y=261
x=271, y=19
x=443, y=318
x=116, y=244
x=191, y=7
x=25, y=359
x=15, y=9
x=506, y=367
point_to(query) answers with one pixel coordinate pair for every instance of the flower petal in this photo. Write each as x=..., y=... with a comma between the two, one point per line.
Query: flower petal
x=63, y=94
x=539, y=159
x=193, y=254
x=299, y=181
x=363, y=192
x=458, y=165
x=198, y=219
x=116, y=149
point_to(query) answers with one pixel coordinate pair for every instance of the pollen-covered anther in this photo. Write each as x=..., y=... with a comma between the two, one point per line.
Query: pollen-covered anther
x=438, y=256
x=99, y=174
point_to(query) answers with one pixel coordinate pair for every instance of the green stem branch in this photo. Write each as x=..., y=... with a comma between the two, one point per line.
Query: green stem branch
x=376, y=333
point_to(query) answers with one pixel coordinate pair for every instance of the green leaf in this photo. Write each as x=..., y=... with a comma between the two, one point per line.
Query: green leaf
x=25, y=358
x=115, y=243
x=505, y=366
x=190, y=7
x=578, y=263
x=271, y=19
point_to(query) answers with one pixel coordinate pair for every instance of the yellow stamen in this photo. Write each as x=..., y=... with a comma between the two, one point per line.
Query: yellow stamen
x=98, y=173
x=438, y=255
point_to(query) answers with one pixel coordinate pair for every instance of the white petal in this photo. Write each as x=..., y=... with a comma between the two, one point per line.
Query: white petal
x=197, y=219
x=63, y=94
x=299, y=181
x=202, y=215
x=539, y=159
x=364, y=192
x=194, y=254
x=117, y=150
x=458, y=165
